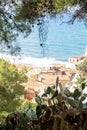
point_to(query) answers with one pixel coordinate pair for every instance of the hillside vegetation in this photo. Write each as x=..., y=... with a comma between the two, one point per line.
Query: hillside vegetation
x=56, y=109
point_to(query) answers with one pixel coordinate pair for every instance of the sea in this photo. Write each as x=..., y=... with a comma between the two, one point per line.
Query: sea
x=62, y=41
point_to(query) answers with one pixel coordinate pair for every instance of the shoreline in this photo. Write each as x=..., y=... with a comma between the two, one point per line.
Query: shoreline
x=34, y=62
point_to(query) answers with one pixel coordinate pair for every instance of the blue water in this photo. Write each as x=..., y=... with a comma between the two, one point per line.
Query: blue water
x=63, y=40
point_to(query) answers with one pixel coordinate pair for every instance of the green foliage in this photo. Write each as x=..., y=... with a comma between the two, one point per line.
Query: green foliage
x=61, y=5
x=61, y=109
x=11, y=88
x=64, y=111
x=82, y=75
x=82, y=68
x=55, y=124
x=52, y=96
x=33, y=9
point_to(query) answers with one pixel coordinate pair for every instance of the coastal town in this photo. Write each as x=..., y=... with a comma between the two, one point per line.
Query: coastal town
x=43, y=64
x=40, y=78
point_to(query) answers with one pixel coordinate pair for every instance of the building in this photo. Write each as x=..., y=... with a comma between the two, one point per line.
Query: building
x=77, y=59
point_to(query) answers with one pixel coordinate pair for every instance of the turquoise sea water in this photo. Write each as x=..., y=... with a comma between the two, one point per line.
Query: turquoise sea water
x=63, y=40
